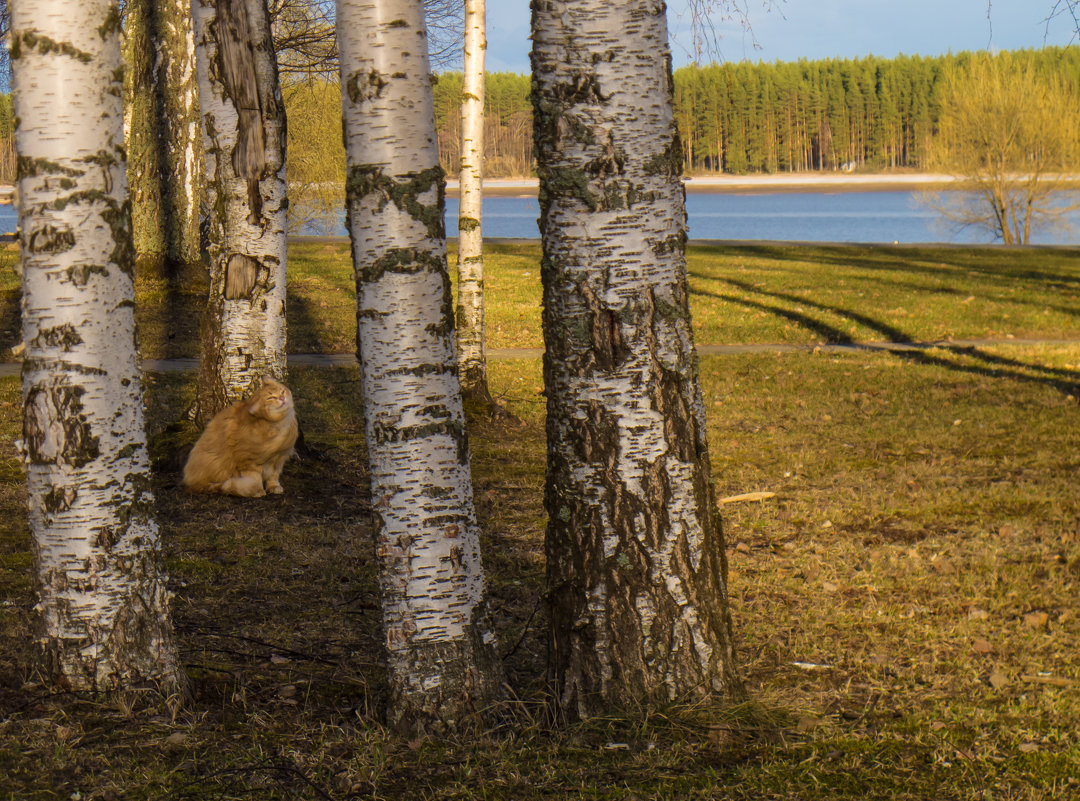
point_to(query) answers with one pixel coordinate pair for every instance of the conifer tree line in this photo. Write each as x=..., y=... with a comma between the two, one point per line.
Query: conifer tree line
x=865, y=113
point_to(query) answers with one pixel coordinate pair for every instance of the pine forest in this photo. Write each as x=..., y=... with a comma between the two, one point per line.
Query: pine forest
x=839, y=114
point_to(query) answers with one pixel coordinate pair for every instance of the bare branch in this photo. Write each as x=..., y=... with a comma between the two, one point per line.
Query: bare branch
x=1064, y=8
x=707, y=15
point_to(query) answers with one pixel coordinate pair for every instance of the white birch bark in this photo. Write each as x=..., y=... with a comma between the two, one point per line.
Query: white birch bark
x=103, y=610
x=636, y=565
x=472, y=361
x=440, y=647
x=243, y=334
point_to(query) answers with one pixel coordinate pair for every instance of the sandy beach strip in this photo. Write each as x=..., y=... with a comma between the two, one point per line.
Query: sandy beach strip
x=753, y=184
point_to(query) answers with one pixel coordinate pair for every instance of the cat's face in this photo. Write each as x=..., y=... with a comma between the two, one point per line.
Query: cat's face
x=272, y=400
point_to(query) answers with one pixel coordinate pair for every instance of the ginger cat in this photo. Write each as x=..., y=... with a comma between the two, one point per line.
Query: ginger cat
x=245, y=445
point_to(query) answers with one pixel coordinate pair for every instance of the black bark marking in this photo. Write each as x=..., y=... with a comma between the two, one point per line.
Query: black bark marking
x=45, y=46
x=118, y=217
x=236, y=56
x=583, y=88
x=63, y=336
x=106, y=538
x=405, y=261
x=28, y=167
x=680, y=424
x=55, y=429
x=609, y=350
x=364, y=86
x=80, y=274
x=50, y=239
x=59, y=499
x=610, y=160
x=366, y=180
x=383, y=433
x=241, y=275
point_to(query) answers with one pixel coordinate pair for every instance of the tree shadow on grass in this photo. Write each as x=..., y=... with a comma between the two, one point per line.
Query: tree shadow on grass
x=10, y=321
x=169, y=302
x=937, y=261
x=968, y=359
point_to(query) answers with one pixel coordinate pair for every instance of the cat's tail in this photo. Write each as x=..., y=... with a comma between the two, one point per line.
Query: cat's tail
x=201, y=486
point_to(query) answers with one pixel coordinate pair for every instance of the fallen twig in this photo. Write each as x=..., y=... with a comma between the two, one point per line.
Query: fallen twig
x=748, y=496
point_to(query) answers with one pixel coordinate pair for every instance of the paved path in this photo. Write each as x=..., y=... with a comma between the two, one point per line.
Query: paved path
x=349, y=360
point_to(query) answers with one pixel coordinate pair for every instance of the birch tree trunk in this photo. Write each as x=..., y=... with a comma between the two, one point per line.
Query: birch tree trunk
x=472, y=360
x=635, y=552
x=103, y=610
x=442, y=663
x=243, y=335
x=164, y=138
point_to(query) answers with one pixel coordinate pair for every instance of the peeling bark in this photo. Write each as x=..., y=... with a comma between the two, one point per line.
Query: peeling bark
x=103, y=609
x=635, y=552
x=442, y=663
x=243, y=332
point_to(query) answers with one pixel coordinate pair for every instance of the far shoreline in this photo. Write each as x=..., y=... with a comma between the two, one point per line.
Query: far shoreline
x=755, y=184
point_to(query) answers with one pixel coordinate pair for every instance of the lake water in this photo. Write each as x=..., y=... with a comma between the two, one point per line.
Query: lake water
x=789, y=216
x=785, y=216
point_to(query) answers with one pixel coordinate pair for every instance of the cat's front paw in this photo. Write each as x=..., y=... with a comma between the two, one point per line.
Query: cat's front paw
x=275, y=489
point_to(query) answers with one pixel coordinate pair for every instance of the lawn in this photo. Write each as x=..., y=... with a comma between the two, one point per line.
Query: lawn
x=905, y=604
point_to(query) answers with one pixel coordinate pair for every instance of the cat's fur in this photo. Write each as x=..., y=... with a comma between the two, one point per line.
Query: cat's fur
x=244, y=448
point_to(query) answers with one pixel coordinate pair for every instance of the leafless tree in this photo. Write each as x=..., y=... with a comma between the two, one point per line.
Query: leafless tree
x=307, y=44
x=304, y=38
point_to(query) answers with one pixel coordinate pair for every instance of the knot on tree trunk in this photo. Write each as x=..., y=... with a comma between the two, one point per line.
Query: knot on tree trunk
x=241, y=275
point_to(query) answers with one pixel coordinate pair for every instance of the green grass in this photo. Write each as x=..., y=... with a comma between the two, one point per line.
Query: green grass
x=922, y=549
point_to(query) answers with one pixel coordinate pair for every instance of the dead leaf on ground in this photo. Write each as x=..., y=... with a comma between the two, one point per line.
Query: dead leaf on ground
x=981, y=646
x=1037, y=620
x=1028, y=748
x=998, y=679
x=808, y=723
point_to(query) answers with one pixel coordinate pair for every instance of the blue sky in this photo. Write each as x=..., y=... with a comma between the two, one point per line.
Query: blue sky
x=825, y=28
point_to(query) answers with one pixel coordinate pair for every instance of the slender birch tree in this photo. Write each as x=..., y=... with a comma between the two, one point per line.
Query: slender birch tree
x=472, y=359
x=442, y=663
x=164, y=139
x=635, y=552
x=243, y=334
x=103, y=610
